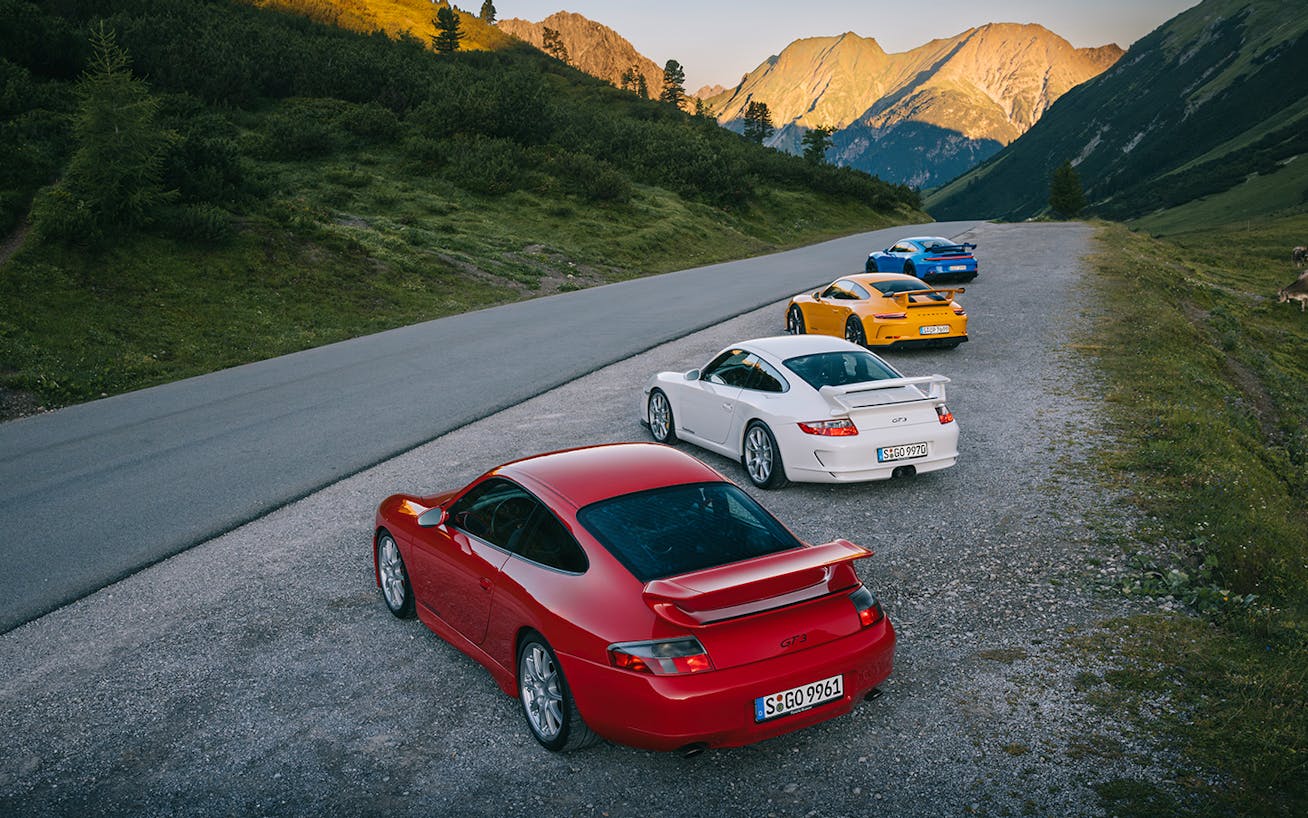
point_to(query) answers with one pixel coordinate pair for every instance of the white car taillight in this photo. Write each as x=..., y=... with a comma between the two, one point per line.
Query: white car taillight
x=829, y=428
x=667, y=657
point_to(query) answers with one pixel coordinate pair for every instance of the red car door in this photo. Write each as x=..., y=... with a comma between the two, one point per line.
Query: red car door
x=458, y=564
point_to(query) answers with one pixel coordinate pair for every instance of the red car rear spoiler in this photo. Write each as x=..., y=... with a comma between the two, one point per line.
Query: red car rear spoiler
x=742, y=588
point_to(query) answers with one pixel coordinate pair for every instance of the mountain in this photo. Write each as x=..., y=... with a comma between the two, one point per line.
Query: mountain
x=922, y=116
x=593, y=48
x=1208, y=112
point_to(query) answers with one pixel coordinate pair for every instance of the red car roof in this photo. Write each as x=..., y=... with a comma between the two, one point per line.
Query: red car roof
x=584, y=476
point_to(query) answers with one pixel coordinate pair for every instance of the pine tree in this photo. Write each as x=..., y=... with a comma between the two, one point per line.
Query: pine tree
x=1066, y=197
x=448, y=36
x=816, y=143
x=642, y=86
x=488, y=12
x=552, y=44
x=674, y=83
x=115, y=176
x=758, y=122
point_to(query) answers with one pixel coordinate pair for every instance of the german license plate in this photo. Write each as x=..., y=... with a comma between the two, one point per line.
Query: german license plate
x=798, y=699
x=957, y=268
x=885, y=454
x=934, y=329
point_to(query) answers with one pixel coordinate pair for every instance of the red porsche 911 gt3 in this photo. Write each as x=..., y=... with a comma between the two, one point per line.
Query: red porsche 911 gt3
x=631, y=592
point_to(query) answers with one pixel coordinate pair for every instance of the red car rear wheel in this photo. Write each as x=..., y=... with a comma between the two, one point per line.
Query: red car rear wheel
x=547, y=703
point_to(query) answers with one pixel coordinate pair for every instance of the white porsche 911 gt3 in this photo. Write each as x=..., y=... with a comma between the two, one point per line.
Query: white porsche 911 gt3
x=806, y=408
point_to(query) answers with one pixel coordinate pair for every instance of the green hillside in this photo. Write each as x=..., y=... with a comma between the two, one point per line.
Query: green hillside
x=216, y=183
x=1199, y=107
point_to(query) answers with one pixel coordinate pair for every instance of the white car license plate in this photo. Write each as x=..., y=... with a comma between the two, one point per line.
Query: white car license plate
x=798, y=699
x=955, y=268
x=885, y=454
x=934, y=329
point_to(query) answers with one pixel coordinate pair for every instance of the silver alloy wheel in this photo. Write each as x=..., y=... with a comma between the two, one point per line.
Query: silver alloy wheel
x=792, y=325
x=660, y=416
x=758, y=454
x=542, y=697
x=392, y=573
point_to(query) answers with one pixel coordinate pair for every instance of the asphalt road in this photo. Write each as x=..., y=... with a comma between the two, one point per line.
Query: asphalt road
x=260, y=674
x=93, y=493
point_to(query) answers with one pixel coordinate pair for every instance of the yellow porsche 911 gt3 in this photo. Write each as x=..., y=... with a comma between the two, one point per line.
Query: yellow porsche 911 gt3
x=885, y=310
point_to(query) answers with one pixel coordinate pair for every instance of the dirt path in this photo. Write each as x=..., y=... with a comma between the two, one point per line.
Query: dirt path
x=14, y=242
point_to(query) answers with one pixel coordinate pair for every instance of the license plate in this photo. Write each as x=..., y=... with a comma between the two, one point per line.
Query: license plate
x=957, y=268
x=934, y=329
x=885, y=454
x=798, y=699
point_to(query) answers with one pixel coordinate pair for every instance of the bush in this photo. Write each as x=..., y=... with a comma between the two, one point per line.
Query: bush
x=589, y=177
x=299, y=131
x=485, y=165
x=59, y=215
x=199, y=223
x=369, y=124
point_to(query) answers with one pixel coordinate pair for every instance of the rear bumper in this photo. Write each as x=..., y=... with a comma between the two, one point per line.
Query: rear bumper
x=813, y=459
x=923, y=343
x=963, y=276
x=717, y=708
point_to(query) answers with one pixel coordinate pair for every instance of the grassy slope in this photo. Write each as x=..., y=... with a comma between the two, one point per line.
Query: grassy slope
x=373, y=233
x=393, y=17
x=1210, y=397
x=354, y=246
x=1260, y=196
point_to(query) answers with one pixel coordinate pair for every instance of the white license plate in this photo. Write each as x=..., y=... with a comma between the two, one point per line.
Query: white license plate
x=957, y=268
x=934, y=329
x=885, y=454
x=798, y=699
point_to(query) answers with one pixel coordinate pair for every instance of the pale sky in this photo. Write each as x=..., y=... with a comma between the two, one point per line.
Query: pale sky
x=717, y=42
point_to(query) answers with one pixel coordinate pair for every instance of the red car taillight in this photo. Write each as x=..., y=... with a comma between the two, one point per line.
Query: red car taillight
x=829, y=428
x=671, y=657
x=890, y=316
x=944, y=414
x=869, y=609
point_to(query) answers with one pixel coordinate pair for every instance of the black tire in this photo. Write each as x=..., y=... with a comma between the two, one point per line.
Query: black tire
x=761, y=457
x=795, y=321
x=547, y=703
x=397, y=592
x=909, y=269
x=662, y=427
x=854, y=331
x=870, y=266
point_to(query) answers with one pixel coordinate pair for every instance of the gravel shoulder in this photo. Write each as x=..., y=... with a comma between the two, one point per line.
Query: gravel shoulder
x=260, y=673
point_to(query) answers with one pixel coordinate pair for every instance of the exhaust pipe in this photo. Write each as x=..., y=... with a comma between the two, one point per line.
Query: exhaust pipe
x=904, y=471
x=872, y=695
x=692, y=750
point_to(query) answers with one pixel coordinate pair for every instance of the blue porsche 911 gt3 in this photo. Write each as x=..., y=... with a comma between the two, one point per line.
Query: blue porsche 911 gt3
x=930, y=258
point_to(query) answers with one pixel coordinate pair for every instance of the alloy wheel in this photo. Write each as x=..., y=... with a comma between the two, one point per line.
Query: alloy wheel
x=542, y=697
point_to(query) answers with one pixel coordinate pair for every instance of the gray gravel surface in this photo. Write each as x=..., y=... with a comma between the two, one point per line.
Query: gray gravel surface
x=260, y=673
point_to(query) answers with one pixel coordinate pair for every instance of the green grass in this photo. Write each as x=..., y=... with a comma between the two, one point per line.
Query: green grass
x=1259, y=196
x=352, y=246
x=1208, y=392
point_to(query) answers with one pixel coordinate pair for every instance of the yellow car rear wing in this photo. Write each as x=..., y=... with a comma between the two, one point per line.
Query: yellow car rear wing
x=905, y=299
x=845, y=399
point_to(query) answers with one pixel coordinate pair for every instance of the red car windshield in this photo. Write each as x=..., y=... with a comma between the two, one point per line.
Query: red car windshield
x=679, y=529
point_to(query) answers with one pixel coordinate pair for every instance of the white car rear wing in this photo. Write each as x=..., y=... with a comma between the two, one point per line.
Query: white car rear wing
x=851, y=396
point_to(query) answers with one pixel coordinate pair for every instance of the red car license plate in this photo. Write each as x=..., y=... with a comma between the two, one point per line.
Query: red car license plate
x=798, y=699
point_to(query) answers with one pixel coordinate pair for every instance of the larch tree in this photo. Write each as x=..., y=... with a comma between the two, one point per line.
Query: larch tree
x=674, y=83
x=758, y=122
x=816, y=143
x=448, y=36
x=1066, y=196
